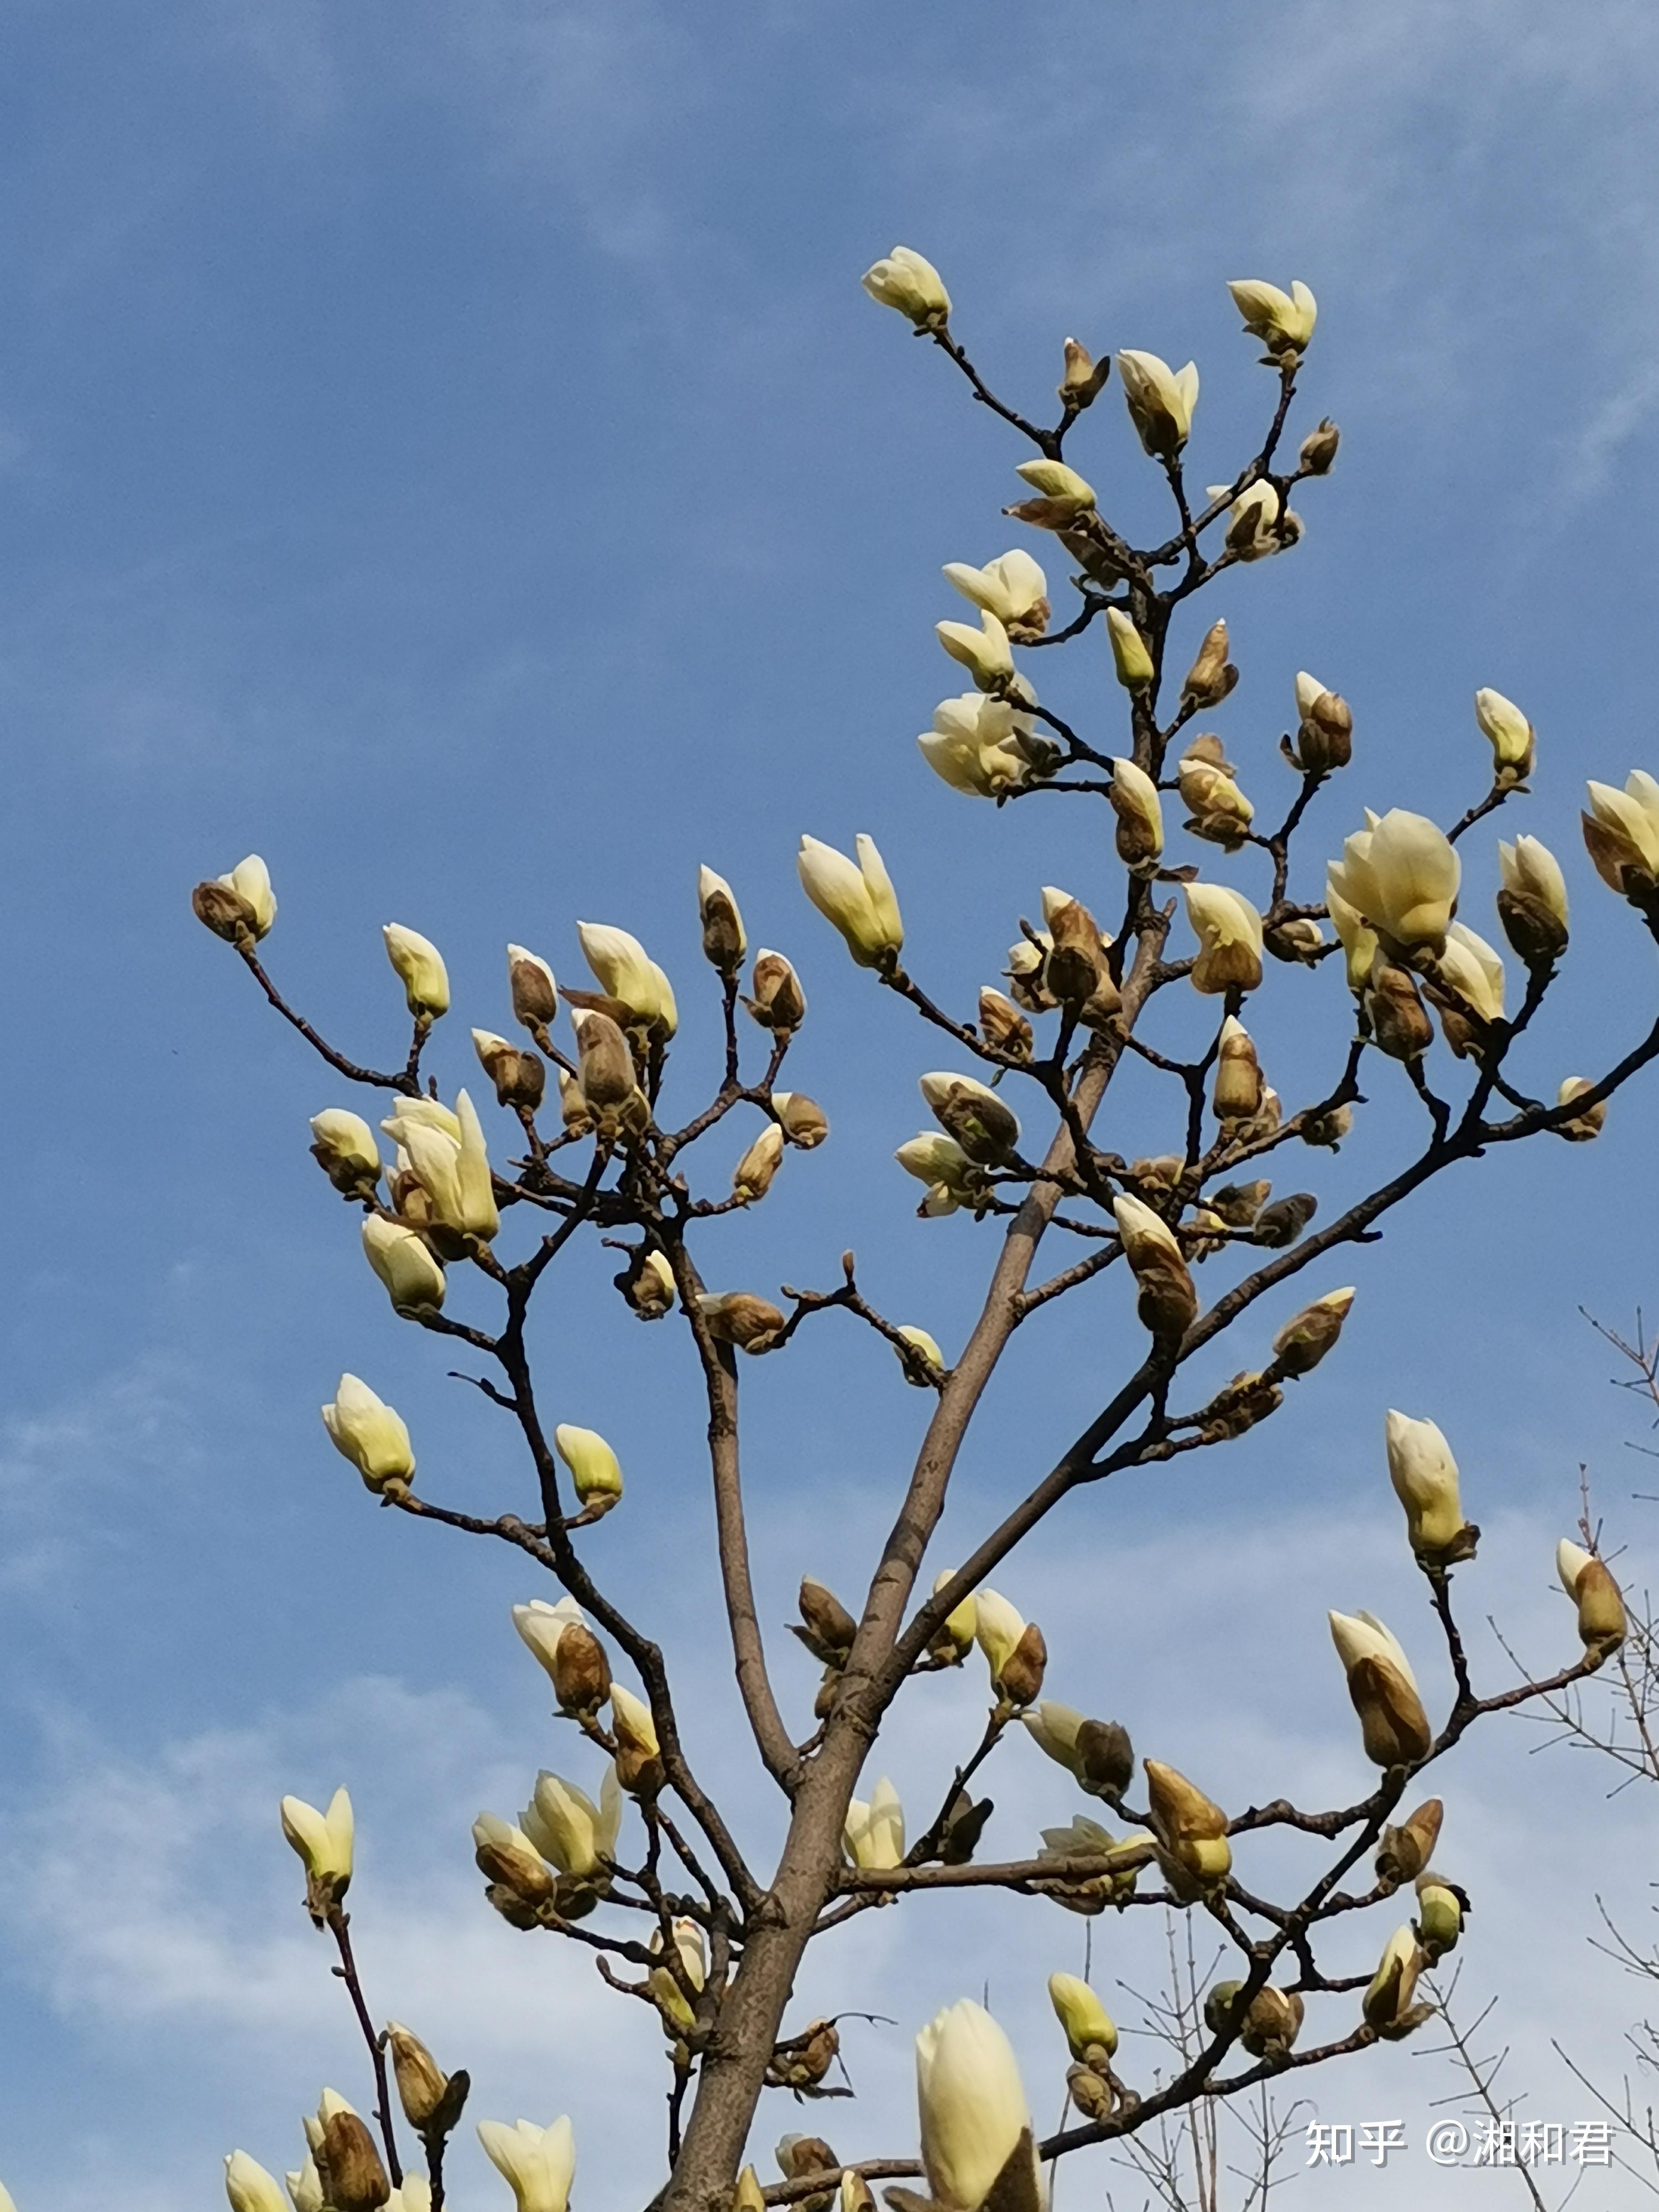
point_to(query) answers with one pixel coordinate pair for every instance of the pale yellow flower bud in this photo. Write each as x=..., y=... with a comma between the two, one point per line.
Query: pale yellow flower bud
x=1506, y=729
x=872, y=1835
x=1621, y=833
x=239, y=906
x=420, y=968
x=247, y=2185
x=370, y=1434
x=626, y=972
x=857, y=898
x=343, y=1147
x=1424, y=1478
x=1602, y=1622
x=976, y=2125
x=1088, y=2025
x=1053, y=480
x=1130, y=655
x=413, y=1277
x=594, y=1471
x=925, y=1348
x=907, y=282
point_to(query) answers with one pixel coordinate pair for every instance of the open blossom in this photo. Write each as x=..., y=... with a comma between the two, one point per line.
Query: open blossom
x=1401, y=873
x=984, y=652
x=1160, y=399
x=538, y=2164
x=1621, y=830
x=568, y=1828
x=973, y=745
x=1012, y=587
x=1279, y=319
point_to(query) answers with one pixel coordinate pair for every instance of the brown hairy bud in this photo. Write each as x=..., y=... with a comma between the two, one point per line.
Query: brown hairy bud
x=1090, y=2092
x=1237, y=1095
x=1399, y=1020
x=723, y=940
x=1044, y=514
x=581, y=1671
x=1392, y=1725
x=1327, y=1130
x=778, y=1004
x=1021, y=1679
x=825, y=1627
x=535, y=1000
x=739, y=1317
x=1105, y=1757
x=348, y=2166
x=1308, y=1336
x=1405, y=1852
x=1002, y=1024
x=1319, y=448
x=1249, y=1398
x=1191, y=1828
x=1085, y=377
x=805, y=1122
x=1299, y=938
x=224, y=911
x=605, y=1065
x=856, y=2195
x=965, y=1824
x=423, y=2086
x=972, y=1114
x=573, y=1107
x=1284, y=1221
x=802, y=2061
x=519, y=1078
x=1536, y=933
x=1325, y=739
x=1076, y=967
x=521, y=1877
x=1212, y=675
x=1239, y=1203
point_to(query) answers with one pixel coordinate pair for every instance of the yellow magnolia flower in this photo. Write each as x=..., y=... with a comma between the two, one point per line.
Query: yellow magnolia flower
x=857, y=898
x=1282, y=320
x=370, y=1434
x=906, y=281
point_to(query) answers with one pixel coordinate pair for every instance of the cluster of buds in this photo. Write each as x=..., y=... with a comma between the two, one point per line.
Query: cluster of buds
x=556, y=1861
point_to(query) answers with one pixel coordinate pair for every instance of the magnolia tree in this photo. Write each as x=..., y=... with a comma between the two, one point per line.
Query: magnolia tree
x=586, y=1136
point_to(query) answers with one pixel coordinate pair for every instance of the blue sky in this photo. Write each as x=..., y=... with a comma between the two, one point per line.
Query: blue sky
x=444, y=448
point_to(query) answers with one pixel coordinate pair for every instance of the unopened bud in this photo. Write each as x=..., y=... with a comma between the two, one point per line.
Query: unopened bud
x=740, y=1317
x=804, y=1122
x=423, y=2089
x=1105, y=1758
x=581, y=1671
x=1586, y=1581
x=724, y=943
x=924, y=1349
x=648, y=1283
x=1020, y=1678
x=1299, y=938
x=1386, y=2005
x=1090, y=2092
x=1393, y=1727
x=825, y=1627
x=1319, y=448
x=1085, y=377
x=748, y=2196
x=1506, y=729
x=605, y=1066
x=1076, y=973
x=752, y=1177
x=240, y=907
x=1405, y=1852
x=1191, y=1827
x=1239, y=1203
x=1090, y=2032
x=1167, y=1303
x=1212, y=675
x=1135, y=800
x=348, y=2166
x=973, y=1115
x=1440, y=1908
x=535, y=993
x=519, y=1078
x=1237, y=1095
x=511, y=1863
x=1003, y=1026
x=1284, y=1221
x=1393, y=1006
x=1588, y=1124
x=343, y=1147
x=1130, y=655
x=1308, y=1336
x=1329, y=1129
x=1325, y=731
x=778, y=1004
